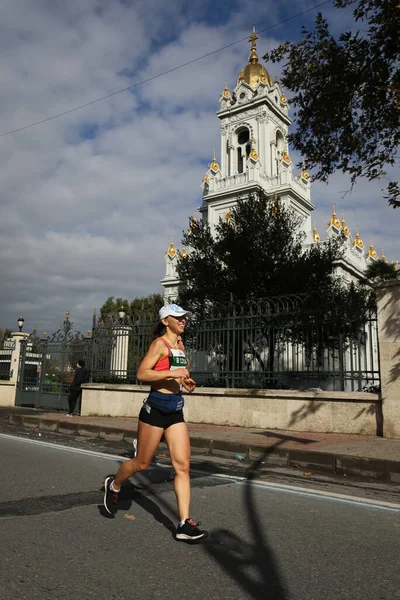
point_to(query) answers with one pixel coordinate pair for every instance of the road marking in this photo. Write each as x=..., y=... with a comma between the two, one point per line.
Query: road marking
x=281, y=487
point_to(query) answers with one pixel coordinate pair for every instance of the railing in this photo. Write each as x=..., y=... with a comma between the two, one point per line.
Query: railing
x=274, y=343
x=6, y=349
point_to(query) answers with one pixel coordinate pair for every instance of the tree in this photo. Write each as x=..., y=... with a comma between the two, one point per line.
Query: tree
x=381, y=270
x=228, y=280
x=257, y=254
x=148, y=306
x=346, y=93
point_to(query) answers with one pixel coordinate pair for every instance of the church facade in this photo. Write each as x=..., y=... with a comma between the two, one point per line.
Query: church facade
x=254, y=156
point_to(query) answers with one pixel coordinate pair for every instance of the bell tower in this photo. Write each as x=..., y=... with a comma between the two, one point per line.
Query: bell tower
x=254, y=124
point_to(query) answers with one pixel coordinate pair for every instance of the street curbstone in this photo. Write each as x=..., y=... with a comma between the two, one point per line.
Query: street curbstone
x=308, y=460
x=198, y=444
x=111, y=434
x=225, y=448
x=30, y=422
x=68, y=427
x=393, y=469
x=47, y=425
x=278, y=457
x=371, y=468
x=88, y=430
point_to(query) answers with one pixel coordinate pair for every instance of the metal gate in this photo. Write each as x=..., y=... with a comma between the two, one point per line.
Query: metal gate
x=47, y=365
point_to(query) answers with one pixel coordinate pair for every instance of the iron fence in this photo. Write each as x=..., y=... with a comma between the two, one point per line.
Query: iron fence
x=6, y=349
x=273, y=343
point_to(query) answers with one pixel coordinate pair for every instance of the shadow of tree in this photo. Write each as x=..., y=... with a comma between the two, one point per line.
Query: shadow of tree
x=309, y=408
x=395, y=370
x=388, y=297
x=235, y=555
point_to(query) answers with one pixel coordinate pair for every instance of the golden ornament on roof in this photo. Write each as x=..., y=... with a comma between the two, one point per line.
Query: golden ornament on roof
x=316, y=236
x=183, y=253
x=304, y=174
x=383, y=257
x=372, y=252
x=285, y=157
x=345, y=229
x=214, y=166
x=171, y=250
x=226, y=93
x=334, y=220
x=228, y=216
x=254, y=73
x=253, y=152
x=358, y=241
x=283, y=98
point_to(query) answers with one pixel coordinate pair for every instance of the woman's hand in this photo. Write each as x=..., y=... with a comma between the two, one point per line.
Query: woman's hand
x=189, y=384
x=180, y=373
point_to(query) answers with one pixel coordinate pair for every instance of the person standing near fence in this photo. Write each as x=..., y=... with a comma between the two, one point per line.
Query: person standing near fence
x=165, y=367
x=75, y=392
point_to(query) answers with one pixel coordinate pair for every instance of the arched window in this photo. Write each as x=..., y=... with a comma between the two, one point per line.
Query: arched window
x=243, y=148
x=239, y=160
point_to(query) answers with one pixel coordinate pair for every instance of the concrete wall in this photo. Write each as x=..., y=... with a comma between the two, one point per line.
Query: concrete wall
x=338, y=412
x=7, y=393
x=388, y=298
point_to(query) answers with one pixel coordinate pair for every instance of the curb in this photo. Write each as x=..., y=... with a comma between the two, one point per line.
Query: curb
x=372, y=469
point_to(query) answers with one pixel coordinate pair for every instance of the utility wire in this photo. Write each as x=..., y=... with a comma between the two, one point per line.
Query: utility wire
x=143, y=81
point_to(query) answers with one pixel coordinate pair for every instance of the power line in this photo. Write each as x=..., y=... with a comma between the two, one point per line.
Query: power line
x=143, y=81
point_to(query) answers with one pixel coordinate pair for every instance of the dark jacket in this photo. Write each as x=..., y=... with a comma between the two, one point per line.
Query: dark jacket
x=81, y=376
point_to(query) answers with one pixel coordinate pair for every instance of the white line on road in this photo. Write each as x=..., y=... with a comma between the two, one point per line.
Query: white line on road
x=282, y=487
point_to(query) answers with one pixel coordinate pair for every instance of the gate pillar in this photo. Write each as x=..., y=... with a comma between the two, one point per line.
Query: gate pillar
x=18, y=337
x=388, y=300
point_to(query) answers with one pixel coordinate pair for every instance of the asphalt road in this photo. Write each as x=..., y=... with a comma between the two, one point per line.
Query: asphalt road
x=266, y=541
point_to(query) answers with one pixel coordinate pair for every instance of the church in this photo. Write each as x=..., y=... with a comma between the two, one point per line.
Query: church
x=254, y=156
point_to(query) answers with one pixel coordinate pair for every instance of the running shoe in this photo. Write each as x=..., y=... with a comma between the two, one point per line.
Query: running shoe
x=189, y=532
x=110, y=497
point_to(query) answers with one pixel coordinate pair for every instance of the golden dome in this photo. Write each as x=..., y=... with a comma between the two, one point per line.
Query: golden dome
x=183, y=253
x=334, y=220
x=316, y=236
x=357, y=240
x=206, y=178
x=383, y=257
x=345, y=229
x=171, y=250
x=214, y=166
x=254, y=73
x=283, y=98
x=372, y=252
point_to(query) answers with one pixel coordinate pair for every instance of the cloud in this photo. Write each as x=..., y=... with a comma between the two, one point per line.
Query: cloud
x=89, y=201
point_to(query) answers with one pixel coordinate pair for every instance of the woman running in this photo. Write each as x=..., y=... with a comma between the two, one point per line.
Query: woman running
x=166, y=368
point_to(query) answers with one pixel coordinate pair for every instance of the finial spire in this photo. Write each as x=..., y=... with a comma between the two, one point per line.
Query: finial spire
x=253, y=58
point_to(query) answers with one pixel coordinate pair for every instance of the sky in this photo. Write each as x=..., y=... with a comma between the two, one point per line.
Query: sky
x=89, y=201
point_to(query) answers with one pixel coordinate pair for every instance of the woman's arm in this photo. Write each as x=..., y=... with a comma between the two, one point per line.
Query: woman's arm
x=146, y=373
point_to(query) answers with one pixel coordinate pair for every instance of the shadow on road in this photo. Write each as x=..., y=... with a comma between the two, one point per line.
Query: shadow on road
x=253, y=565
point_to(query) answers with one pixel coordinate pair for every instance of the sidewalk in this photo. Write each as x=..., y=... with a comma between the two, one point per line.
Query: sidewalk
x=366, y=457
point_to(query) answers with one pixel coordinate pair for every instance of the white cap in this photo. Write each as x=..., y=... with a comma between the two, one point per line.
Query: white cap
x=173, y=310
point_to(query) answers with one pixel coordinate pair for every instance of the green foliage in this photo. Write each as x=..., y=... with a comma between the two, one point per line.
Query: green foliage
x=258, y=254
x=381, y=270
x=147, y=306
x=346, y=93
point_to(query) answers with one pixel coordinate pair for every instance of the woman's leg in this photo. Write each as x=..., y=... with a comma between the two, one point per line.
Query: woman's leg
x=177, y=439
x=148, y=439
